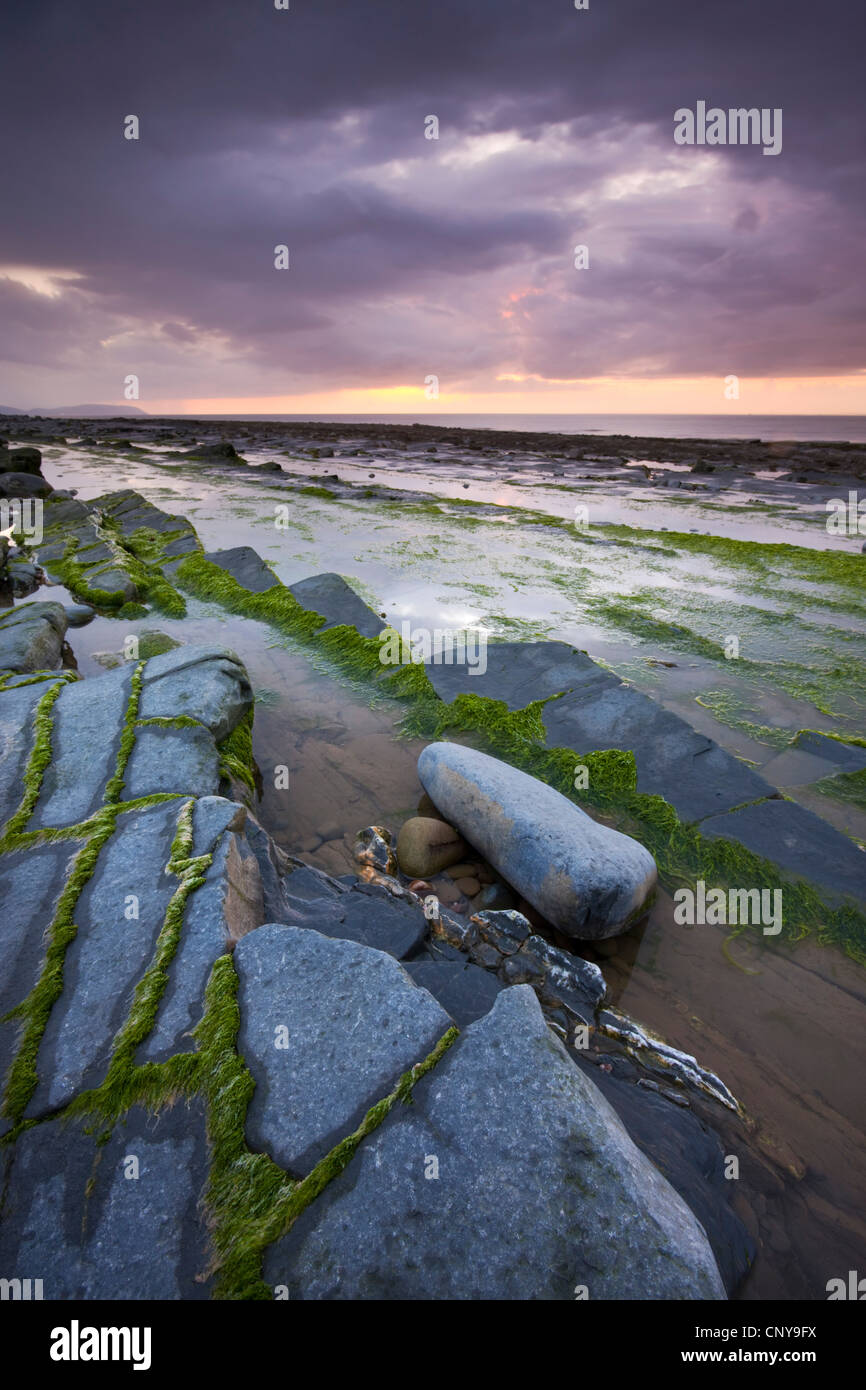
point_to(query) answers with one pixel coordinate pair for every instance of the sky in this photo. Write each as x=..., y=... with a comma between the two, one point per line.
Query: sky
x=419, y=265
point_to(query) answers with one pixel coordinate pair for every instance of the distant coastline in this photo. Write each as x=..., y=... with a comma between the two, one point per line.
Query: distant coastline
x=848, y=429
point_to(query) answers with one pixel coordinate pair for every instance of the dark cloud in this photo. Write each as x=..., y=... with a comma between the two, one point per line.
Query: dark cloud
x=411, y=256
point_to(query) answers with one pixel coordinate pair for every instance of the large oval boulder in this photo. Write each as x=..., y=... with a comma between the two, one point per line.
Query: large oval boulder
x=589, y=881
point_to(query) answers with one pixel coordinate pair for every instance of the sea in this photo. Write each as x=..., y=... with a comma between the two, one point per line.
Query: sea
x=767, y=428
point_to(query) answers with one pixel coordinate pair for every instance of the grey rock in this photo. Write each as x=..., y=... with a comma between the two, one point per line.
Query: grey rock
x=587, y=880
x=507, y=929
x=377, y=920
x=559, y=1196
x=465, y=991
x=31, y=637
x=692, y=1159
x=79, y=614
x=355, y=1023
x=61, y=511
x=208, y=683
x=26, y=460
x=24, y=485
x=799, y=842
x=598, y=712
x=690, y=771
x=85, y=738
x=219, y=453
x=31, y=882
x=172, y=760
x=246, y=567
x=182, y=545
x=306, y=881
x=108, y=955
x=24, y=576
x=520, y=672
x=218, y=913
x=113, y=580
x=99, y=553
x=91, y=1231
x=566, y=979
x=17, y=711
x=331, y=597
x=848, y=757
x=131, y=511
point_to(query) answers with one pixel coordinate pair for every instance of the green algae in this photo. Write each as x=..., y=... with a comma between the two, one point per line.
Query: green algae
x=681, y=852
x=33, y=1011
x=849, y=787
x=37, y=765
x=137, y=556
x=252, y=1201
x=323, y=492
x=731, y=709
x=116, y=783
x=236, y=753
x=683, y=855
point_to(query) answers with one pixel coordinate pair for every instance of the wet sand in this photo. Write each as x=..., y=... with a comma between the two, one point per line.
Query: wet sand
x=789, y=1041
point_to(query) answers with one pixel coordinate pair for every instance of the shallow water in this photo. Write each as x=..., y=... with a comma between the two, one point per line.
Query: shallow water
x=790, y=1040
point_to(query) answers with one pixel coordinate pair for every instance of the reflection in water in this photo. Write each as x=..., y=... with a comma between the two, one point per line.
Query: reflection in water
x=788, y=1039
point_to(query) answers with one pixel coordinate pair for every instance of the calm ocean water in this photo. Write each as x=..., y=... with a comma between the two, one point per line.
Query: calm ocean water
x=765, y=427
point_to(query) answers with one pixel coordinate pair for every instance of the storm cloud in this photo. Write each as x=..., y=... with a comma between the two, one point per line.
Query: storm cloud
x=409, y=256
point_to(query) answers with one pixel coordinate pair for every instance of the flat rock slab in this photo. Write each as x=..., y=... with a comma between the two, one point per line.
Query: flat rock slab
x=181, y=760
x=799, y=841
x=245, y=566
x=598, y=712
x=521, y=672
x=690, y=771
x=353, y=1022
x=376, y=920
x=113, y=580
x=18, y=706
x=848, y=757
x=182, y=545
x=208, y=683
x=108, y=956
x=338, y=604
x=218, y=913
x=75, y=1217
x=63, y=511
x=509, y=1177
x=31, y=637
x=131, y=511
x=692, y=1159
x=466, y=992
x=306, y=881
x=31, y=882
x=589, y=881
x=87, y=723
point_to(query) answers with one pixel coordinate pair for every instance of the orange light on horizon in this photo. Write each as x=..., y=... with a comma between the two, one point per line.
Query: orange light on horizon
x=524, y=395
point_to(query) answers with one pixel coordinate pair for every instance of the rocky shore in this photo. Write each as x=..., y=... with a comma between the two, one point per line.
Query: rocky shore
x=216, y=439
x=404, y=1082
